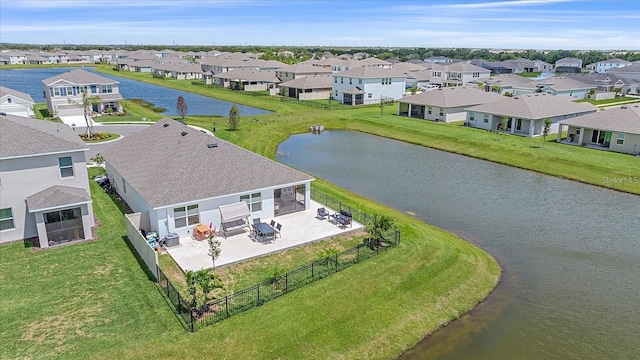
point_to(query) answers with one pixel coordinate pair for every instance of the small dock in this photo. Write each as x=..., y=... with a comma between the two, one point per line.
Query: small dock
x=316, y=129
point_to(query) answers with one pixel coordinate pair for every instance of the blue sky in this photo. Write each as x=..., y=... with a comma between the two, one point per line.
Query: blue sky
x=523, y=24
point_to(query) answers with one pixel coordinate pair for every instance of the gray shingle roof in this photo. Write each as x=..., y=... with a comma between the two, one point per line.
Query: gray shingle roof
x=452, y=97
x=510, y=80
x=534, y=106
x=622, y=119
x=309, y=82
x=249, y=75
x=563, y=83
x=57, y=196
x=167, y=168
x=80, y=77
x=24, y=96
x=21, y=136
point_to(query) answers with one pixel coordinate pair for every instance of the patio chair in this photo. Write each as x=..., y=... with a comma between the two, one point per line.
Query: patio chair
x=322, y=213
x=278, y=228
x=256, y=221
x=273, y=223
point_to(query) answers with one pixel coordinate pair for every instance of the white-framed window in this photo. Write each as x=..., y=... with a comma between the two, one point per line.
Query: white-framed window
x=56, y=91
x=66, y=166
x=6, y=219
x=441, y=112
x=184, y=216
x=486, y=118
x=369, y=95
x=429, y=110
x=386, y=81
x=341, y=80
x=9, y=100
x=360, y=81
x=350, y=81
x=620, y=139
x=254, y=201
x=437, y=73
x=105, y=89
x=335, y=79
x=472, y=116
x=336, y=93
x=476, y=74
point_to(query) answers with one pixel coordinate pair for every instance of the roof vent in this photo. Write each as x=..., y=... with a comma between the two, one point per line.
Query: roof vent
x=165, y=125
x=516, y=98
x=213, y=145
x=183, y=133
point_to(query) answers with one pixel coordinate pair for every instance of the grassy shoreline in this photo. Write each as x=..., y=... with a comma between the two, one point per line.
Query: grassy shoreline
x=589, y=166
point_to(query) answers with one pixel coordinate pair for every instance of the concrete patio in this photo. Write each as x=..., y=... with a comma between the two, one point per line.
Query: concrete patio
x=298, y=228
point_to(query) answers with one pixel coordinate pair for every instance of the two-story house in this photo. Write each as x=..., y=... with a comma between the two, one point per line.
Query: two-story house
x=63, y=93
x=368, y=85
x=569, y=65
x=44, y=187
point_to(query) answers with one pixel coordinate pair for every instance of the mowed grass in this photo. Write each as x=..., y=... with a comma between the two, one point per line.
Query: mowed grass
x=262, y=134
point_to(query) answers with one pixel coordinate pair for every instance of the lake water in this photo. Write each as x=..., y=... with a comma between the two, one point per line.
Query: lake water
x=30, y=81
x=570, y=252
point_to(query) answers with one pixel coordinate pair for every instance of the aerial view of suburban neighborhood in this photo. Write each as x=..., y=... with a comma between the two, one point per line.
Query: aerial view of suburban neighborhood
x=447, y=179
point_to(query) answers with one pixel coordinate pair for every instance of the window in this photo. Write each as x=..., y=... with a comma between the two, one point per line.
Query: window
x=441, y=111
x=336, y=79
x=66, y=166
x=105, y=89
x=56, y=91
x=9, y=100
x=184, y=216
x=94, y=89
x=341, y=80
x=437, y=73
x=6, y=219
x=336, y=93
x=429, y=110
x=369, y=95
x=620, y=139
x=254, y=201
x=350, y=81
x=472, y=116
x=486, y=118
x=476, y=74
x=386, y=81
x=360, y=81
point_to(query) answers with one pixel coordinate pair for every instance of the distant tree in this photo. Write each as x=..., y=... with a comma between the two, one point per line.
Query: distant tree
x=545, y=130
x=234, y=118
x=181, y=107
x=87, y=103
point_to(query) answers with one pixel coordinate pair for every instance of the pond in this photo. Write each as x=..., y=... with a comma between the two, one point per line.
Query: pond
x=30, y=81
x=570, y=252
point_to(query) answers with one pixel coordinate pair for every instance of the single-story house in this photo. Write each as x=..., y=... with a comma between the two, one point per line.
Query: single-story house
x=247, y=79
x=613, y=129
x=308, y=87
x=509, y=83
x=16, y=102
x=525, y=114
x=180, y=177
x=44, y=192
x=444, y=104
x=564, y=86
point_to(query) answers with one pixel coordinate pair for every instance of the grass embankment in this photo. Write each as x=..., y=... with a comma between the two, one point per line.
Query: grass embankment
x=263, y=134
x=92, y=300
x=617, y=101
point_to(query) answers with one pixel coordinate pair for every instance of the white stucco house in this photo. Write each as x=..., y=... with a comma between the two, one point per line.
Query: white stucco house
x=604, y=66
x=564, y=86
x=368, y=85
x=63, y=93
x=525, y=114
x=445, y=104
x=44, y=187
x=179, y=177
x=16, y=102
x=613, y=129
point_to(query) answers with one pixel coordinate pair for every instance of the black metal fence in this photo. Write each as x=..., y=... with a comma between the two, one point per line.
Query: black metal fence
x=220, y=309
x=310, y=103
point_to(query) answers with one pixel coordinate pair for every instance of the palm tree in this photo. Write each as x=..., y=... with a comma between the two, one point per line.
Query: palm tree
x=87, y=103
x=378, y=227
x=181, y=106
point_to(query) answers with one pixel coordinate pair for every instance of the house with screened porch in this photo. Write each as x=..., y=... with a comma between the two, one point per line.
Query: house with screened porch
x=181, y=177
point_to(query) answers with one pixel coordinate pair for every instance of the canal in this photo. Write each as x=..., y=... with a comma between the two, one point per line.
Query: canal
x=30, y=81
x=570, y=252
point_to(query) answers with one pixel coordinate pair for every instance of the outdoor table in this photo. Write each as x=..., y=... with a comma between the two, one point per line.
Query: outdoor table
x=201, y=231
x=264, y=229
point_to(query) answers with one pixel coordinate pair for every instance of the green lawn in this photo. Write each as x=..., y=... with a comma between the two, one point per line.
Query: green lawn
x=530, y=74
x=625, y=99
x=92, y=300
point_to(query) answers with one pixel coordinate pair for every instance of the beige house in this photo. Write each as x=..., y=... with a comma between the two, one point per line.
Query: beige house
x=613, y=129
x=247, y=79
x=308, y=87
x=525, y=114
x=44, y=187
x=301, y=70
x=445, y=104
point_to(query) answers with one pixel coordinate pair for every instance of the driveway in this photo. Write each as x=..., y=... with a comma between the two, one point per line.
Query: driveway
x=124, y=130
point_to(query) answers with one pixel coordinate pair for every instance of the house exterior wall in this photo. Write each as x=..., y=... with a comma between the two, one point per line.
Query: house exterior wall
x=604, y=67
x=23, y=177
x=16, y=106
x=58, y=101
x=316, y=94
x=630, y=144
x=529, y=127
x=574, y=93
x=373, y=88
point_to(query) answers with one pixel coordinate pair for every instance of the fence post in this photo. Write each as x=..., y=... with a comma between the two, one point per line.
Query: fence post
x=286, y=282
x=258, y=301
x=226, y=305
x=312, y=264
x=358, y=253
x=192, y=319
